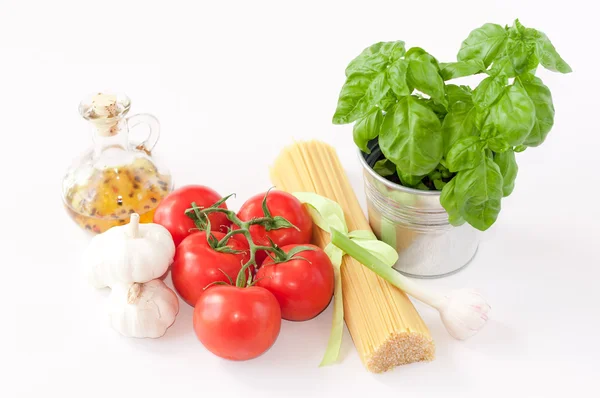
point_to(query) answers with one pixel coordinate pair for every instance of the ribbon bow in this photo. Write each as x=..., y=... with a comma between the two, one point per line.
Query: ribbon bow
x=327, y=214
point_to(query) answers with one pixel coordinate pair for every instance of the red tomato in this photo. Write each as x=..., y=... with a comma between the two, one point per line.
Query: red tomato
x=237, y=323
x=281, y=204
x=170, y=213
x=196, y=264
x=303, y=285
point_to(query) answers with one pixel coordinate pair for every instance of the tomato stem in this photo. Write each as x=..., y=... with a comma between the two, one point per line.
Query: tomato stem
x=200, y=217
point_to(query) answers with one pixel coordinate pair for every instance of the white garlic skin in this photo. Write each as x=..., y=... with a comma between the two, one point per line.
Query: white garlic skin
x=116, y=257
x=142, y=310
x=464, y=312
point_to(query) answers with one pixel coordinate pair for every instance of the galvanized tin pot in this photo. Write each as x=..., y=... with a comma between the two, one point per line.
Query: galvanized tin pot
x=416, y=225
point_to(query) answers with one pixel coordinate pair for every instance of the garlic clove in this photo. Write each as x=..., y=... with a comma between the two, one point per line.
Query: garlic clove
x=464, y=312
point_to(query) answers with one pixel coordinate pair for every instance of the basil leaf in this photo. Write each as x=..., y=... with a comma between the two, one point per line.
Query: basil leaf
x=384, y=168
x=410, y=137
x=522, y=55
x=521, y=48
x=512, y=117
x=549, y=57
x=544, y=110
x=458, y=123
x=483, y=43
x=438, y=109
x=489, y=90
x=448, y=200
x=397, y=78
x=408, y=180
x=508, y=168
x=465, y=154
x=359, y=96
x=458, y=94
x=423, y=74
x=376, y=58
x=497, y=144
x=439, y=184
x=454, y=70
x=502, y=66
x=366, y=129
x=478, y=193
x=414, y=53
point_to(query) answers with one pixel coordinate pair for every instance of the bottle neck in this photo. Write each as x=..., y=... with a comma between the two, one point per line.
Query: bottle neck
x=109, y=133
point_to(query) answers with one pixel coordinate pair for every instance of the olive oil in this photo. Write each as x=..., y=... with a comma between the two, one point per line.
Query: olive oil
x=109, y=196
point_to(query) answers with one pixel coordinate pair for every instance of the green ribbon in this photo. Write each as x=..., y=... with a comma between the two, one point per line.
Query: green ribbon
x=327, y=214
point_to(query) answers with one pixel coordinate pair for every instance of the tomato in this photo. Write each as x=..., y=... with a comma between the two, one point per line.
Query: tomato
x=281, y=204
x=196, y=264
x=237, y=323
x=170, y=213
x=303, y=285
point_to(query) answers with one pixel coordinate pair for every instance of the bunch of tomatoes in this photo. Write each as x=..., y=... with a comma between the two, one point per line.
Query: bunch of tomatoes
x=244, y=271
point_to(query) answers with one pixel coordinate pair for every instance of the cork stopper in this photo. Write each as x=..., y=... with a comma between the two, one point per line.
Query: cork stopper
x=105, y=111
x=104, y=105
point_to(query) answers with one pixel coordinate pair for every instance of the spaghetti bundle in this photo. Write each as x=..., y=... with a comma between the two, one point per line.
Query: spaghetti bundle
x=385, y=326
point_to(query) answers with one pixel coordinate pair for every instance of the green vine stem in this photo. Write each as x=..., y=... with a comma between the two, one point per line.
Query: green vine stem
x=200, y=217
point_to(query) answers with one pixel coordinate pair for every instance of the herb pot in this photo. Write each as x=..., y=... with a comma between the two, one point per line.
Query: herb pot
x=416, y=225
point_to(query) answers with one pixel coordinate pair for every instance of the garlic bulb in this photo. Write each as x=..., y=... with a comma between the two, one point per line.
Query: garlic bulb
x=464, y=312
x=130, y=253
x=142, y=309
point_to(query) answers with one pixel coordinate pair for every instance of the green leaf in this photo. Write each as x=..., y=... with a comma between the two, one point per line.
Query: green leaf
x=502, y=66
x=360, y=95
x=478, y=193
x=279, y=223
x=410, y=137
x=440, y=110
x=522, y=55
x=454, y=70
x=376, y=58
x=397, y=78
x=366, y=129
x=439, y=184
x=448, y=200
x=508, y=168
x=459, y=123
x=512, y=117
x=483, y=43
x=384, y=168
x=497, y=144
x=489, y=90
x=458, y=94
x=465, y=154
x=366, y=83
x=549, y=57
x=325, y=212
x=414, y=53
x=544, y=110
x=521, y=48
x=423, y=74
x=408, y=180
x=368, y=241
x=520, y=148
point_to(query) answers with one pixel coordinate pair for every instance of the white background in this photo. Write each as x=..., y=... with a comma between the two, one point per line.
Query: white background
x=232, y=83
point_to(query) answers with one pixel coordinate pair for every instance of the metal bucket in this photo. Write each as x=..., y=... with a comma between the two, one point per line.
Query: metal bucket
x=416, y=225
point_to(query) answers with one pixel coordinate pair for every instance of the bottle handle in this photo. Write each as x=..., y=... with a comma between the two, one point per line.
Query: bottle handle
x=154, y=126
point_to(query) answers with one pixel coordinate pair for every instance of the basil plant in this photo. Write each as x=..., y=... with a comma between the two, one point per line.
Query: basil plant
x=455, y=139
